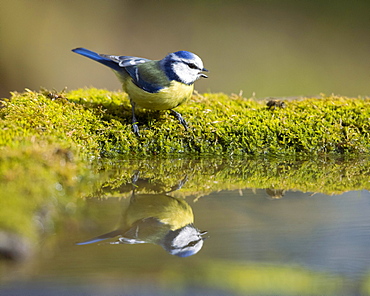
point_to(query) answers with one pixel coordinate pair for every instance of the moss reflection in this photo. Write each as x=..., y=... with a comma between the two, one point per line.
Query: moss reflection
x=249, y=278
x=331, y=175
x=39, y=184
x=157, y=218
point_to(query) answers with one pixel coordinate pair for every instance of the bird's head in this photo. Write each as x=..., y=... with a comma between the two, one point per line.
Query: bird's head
x=183, y=66
x=184, y=242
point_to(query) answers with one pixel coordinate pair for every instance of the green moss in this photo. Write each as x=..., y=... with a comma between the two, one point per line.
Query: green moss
x=97, y=122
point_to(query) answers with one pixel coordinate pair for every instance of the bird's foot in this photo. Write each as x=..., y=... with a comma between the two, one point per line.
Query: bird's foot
x=178, y=116
x=135, y=128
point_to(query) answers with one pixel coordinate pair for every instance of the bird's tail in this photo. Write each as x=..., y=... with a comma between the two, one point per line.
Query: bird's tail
x=101, y=237
x=97, y=57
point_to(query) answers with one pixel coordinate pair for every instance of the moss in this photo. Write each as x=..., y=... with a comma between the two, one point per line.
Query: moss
x=97, y=123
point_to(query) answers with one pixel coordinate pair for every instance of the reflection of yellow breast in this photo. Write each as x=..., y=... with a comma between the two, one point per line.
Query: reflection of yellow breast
x=172, y=211
x=167, y=98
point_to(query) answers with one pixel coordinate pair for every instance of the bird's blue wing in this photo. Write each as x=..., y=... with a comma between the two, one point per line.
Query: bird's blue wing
x=149, y=85
x=126, y=61
x=140, y=74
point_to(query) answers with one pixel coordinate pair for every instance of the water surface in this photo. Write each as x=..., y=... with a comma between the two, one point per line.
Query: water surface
x=260, y=241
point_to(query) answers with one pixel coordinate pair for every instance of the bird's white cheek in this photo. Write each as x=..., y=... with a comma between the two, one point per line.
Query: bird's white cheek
x=186, y=75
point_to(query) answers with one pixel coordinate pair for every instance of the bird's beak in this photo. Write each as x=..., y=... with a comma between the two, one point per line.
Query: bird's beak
x=203, y=233
x=203, y=75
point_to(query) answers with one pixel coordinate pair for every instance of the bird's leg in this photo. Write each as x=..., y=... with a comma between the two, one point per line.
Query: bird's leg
x=179, y=185
x=134, y=120
x=134, y=179
x=178, y=116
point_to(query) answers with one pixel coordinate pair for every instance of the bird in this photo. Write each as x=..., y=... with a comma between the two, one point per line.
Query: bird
x=154, y=84
x=159, y=219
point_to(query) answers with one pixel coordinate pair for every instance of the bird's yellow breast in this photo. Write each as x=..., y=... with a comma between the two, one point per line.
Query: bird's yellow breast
x=167, y=98
x=172, y=211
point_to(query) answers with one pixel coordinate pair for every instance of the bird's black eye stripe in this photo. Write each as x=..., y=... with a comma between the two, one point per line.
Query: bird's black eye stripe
x=192, y=66
x=192, y=243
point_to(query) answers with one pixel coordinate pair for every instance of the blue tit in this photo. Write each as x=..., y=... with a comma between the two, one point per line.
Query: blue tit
x=158, y=219
x=154, y=84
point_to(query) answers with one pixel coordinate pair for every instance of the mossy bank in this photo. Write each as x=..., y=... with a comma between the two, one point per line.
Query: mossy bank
x=97, y=123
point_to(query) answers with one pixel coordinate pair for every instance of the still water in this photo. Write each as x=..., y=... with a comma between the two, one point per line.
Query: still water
x=259, y=241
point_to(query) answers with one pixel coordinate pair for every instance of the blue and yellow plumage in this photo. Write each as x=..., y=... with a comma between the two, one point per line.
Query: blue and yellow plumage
x=156, y=218
x=154, y=84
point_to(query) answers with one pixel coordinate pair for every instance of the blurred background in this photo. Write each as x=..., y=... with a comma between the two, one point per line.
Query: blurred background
x=270, y=48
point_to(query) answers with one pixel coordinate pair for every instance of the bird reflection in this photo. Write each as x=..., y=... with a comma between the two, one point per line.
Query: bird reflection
x=158, y=219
